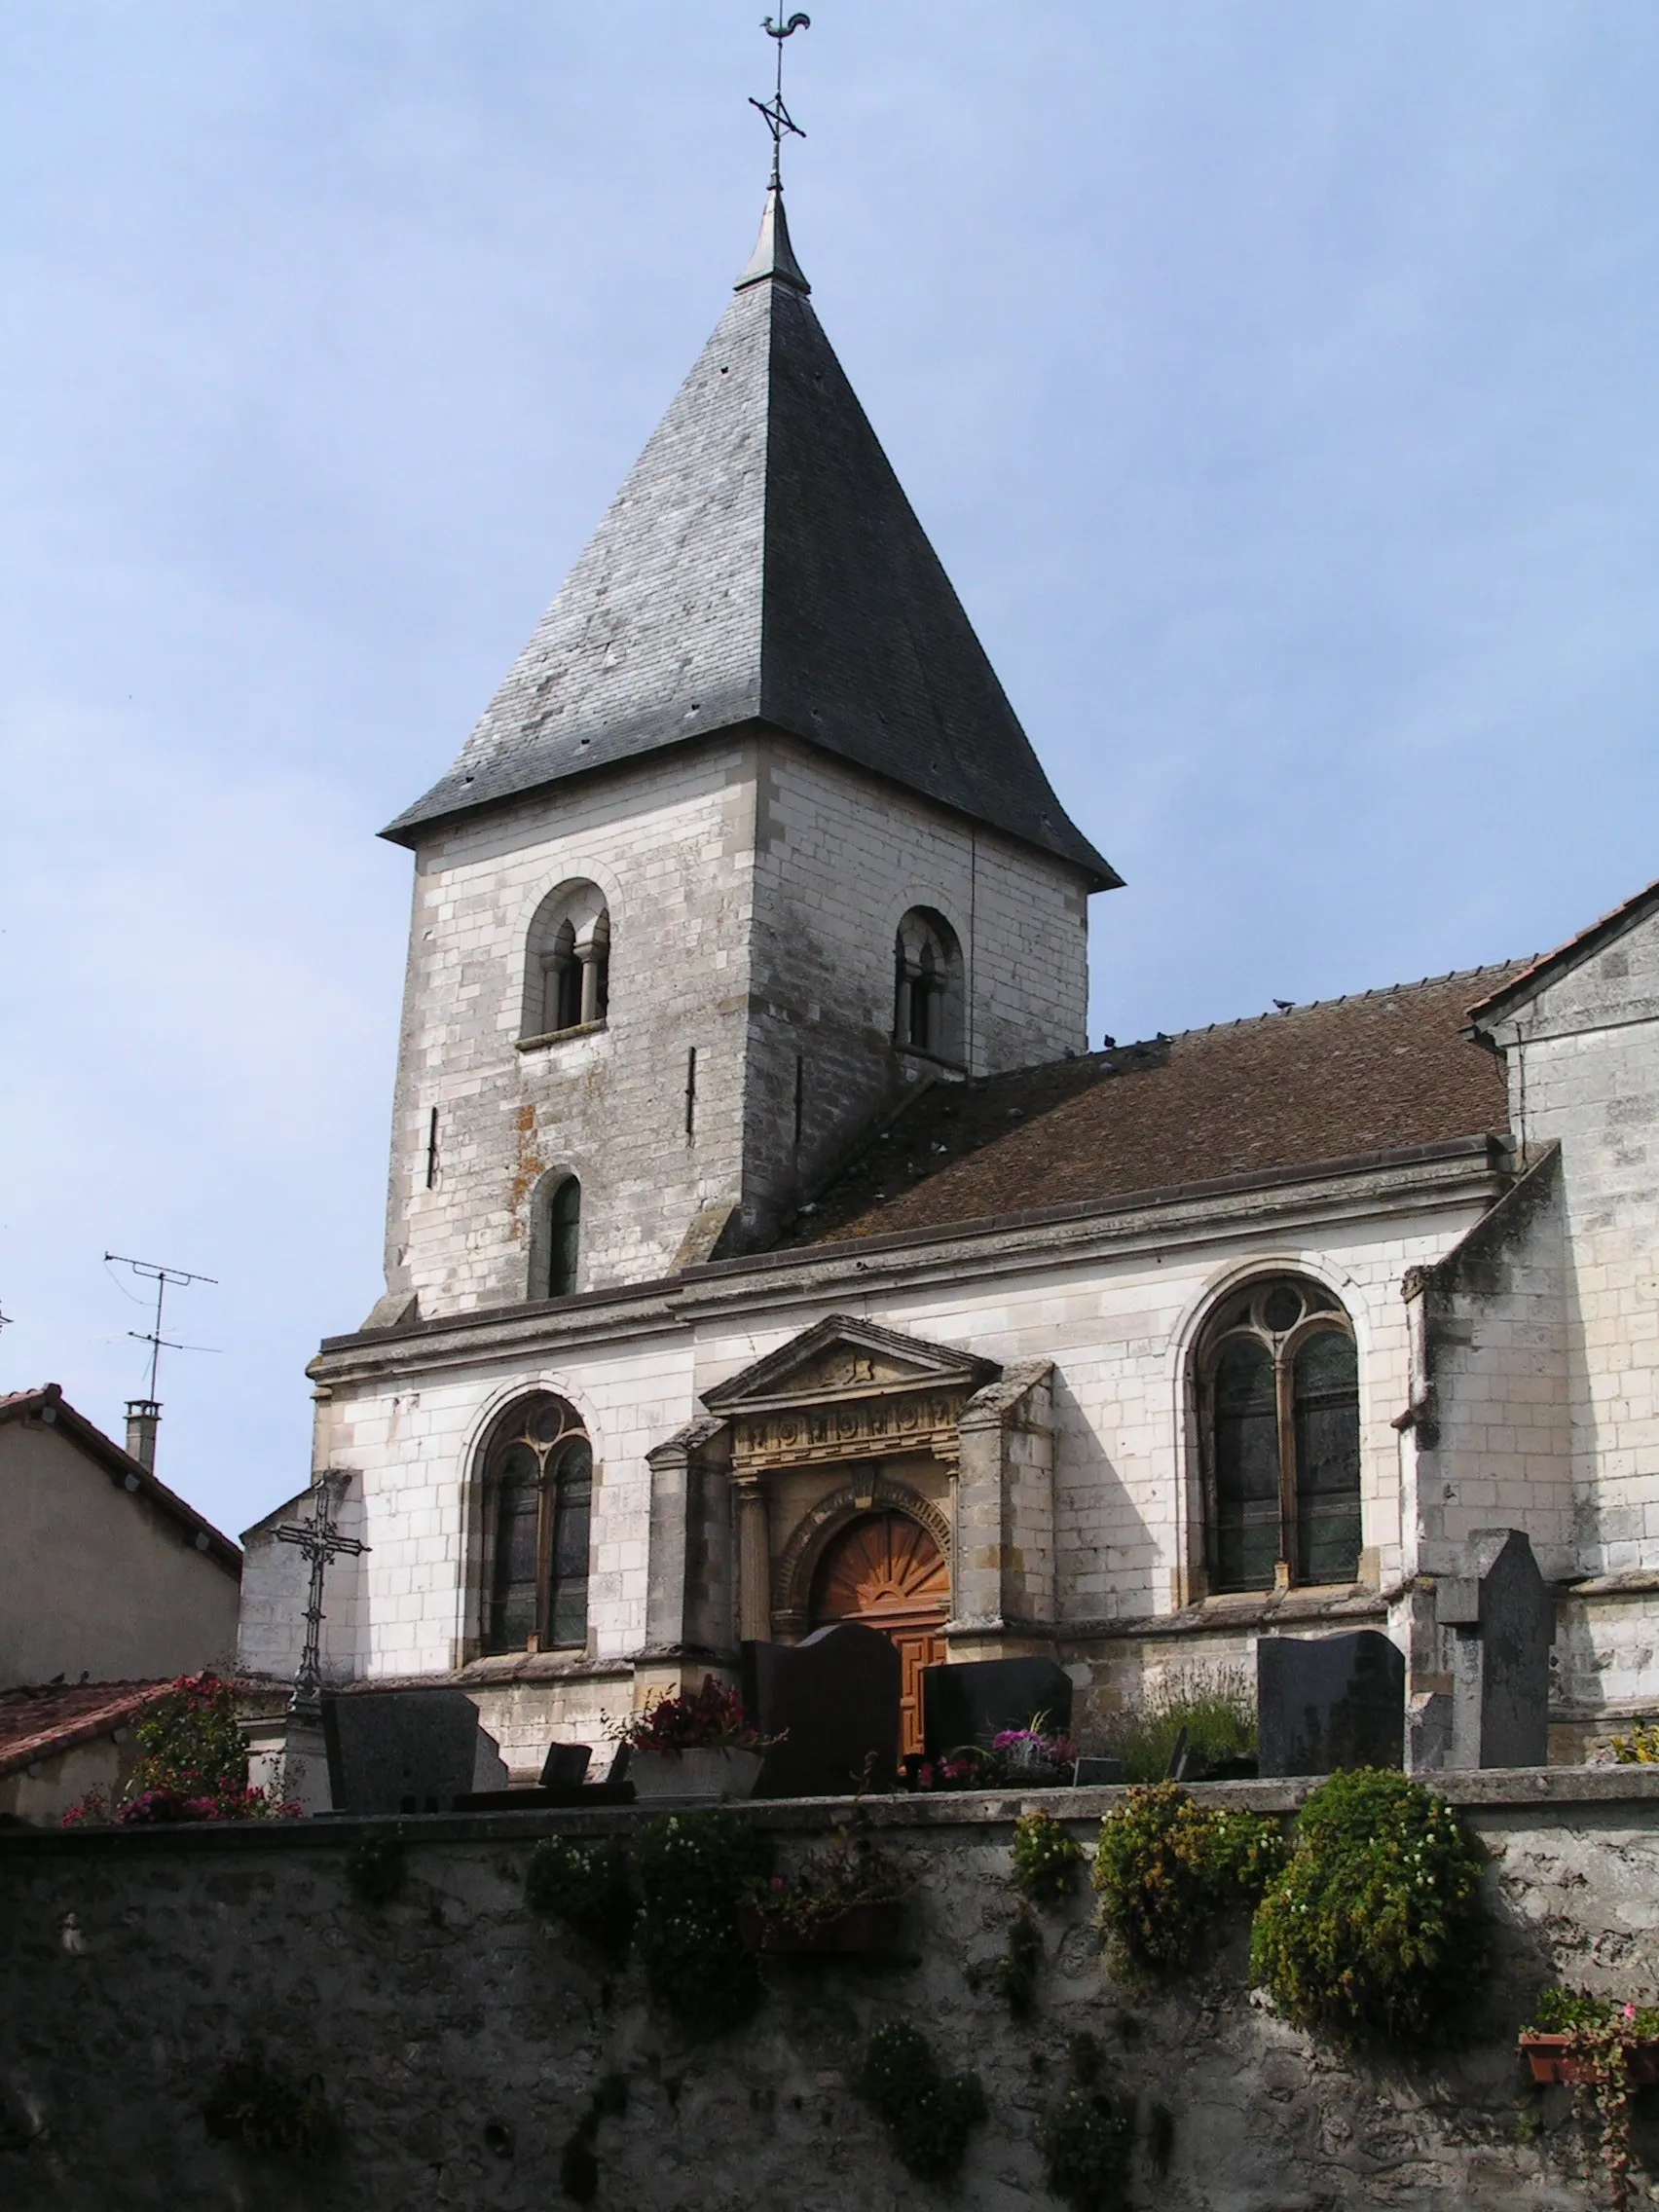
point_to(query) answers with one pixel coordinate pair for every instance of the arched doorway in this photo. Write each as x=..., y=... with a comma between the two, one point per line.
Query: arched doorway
x=886, y=1571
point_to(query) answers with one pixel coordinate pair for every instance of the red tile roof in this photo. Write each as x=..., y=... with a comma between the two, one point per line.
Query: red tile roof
x=1345, y=1079
x=42, y=1721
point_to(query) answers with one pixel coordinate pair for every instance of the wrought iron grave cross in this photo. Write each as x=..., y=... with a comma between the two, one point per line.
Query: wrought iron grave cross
x=778, y=120
x=321, y=1540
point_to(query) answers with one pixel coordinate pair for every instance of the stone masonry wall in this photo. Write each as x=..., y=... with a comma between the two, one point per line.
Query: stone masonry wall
x=1583, y=1059
x=669, y=844
x=754, y=893
x=1118, y=1330
x=462, y=2038
x=838, y=861
x=1491, y=1413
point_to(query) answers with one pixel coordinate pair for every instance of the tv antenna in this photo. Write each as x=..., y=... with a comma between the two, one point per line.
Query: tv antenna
x=149, y=1270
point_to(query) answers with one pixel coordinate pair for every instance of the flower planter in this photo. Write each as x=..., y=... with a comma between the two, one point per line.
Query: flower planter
x=694, y=1777
x=862, y=1930
x=1553, y=2058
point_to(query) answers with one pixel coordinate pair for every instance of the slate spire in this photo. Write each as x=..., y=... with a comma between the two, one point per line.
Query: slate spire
x=762, y=566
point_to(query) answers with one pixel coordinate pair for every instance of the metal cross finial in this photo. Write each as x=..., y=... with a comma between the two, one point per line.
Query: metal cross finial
x=321, y=1540
x=778, y=121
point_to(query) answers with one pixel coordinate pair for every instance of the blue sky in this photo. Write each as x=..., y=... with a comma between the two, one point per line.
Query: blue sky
x=1274, y=379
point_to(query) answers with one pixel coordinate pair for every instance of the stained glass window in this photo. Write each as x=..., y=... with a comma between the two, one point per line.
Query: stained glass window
x=1279, y=1402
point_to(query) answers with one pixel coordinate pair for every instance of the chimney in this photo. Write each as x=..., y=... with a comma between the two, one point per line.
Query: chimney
x=142, y=1415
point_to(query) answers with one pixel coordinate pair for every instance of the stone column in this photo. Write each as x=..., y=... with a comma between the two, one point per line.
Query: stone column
x=753, y=1562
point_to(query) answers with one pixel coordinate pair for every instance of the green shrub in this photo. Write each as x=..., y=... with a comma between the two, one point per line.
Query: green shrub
x=263, y=2110
x=1216, y=1707
x=1016, y=1968
x=586, y=1886
x=375, y=1870
x=1640, y=1748
x=1166, y=1868
x=1046, y=1859
x=1085, y=2142
x=1375, y=1930
x=693, y=1870
x=927, y=2114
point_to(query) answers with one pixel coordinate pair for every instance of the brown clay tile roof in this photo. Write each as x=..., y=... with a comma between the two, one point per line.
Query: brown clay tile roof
x=1382, y=1072
x=39, y=1722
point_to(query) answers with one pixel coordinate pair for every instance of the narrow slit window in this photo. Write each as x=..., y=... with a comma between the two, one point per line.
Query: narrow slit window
x=563, y=1238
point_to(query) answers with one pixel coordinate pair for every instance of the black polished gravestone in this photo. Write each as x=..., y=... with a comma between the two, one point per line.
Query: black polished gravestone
x=975, y=1702
x=1326, y=1703
x=833, y=1701
x=407, y=1751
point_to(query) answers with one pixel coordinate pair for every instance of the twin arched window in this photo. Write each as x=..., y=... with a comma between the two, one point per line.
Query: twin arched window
x=566, y=982
x=927, y=990
x=538, y=1506
x=1278, y=1400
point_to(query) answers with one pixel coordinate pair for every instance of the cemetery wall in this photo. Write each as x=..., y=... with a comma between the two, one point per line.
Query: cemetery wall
x=462, y=2038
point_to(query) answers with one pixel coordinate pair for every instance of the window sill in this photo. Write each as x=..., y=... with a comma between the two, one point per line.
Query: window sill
x=560, y=1036
x=930, y=1059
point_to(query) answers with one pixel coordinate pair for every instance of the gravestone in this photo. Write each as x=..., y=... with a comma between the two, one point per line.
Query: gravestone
x=566, y=1766
x=1098, y=1773
x=971, y=1702
x=834, y=1698
x=407, y=1751
x=1325, y=1703
x=1500, y=1623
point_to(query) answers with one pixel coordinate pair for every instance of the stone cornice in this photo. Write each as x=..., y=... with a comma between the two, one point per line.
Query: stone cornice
x=1380, y=1186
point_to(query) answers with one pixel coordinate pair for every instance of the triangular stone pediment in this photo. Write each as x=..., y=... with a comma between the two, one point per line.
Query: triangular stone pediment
x=842, y=1357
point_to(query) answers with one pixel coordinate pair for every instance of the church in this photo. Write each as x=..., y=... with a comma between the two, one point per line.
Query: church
x=767, y=1247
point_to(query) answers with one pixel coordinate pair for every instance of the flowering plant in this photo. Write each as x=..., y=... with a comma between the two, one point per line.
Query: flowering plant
x=711, y=1718
x=191, y=1765
x=1032, y=1755
x=1599, y=2036
x=1376, y=1930
x=1046, y=1857
x=854, y=1872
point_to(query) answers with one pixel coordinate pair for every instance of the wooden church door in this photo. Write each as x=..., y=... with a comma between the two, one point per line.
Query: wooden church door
x=885, y=1570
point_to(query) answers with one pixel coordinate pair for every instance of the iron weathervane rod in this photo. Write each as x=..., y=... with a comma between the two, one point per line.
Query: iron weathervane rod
x=777, y=118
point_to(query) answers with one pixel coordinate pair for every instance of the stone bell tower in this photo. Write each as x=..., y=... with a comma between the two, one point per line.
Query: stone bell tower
x=749, y=843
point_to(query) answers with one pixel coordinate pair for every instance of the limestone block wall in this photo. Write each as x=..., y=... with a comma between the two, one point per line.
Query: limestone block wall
x=1583, y=1061
x=1490, y=1435
x=416, y=1448
x=839, y=859
x=461, y=2038
x=1118, y=1328
x=669, y=845
x=276, y=1586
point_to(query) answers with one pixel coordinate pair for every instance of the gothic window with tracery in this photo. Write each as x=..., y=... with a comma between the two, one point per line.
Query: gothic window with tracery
x=538, y=1496
x=1278, y=1406
x=568, y=963
x=926, y=987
